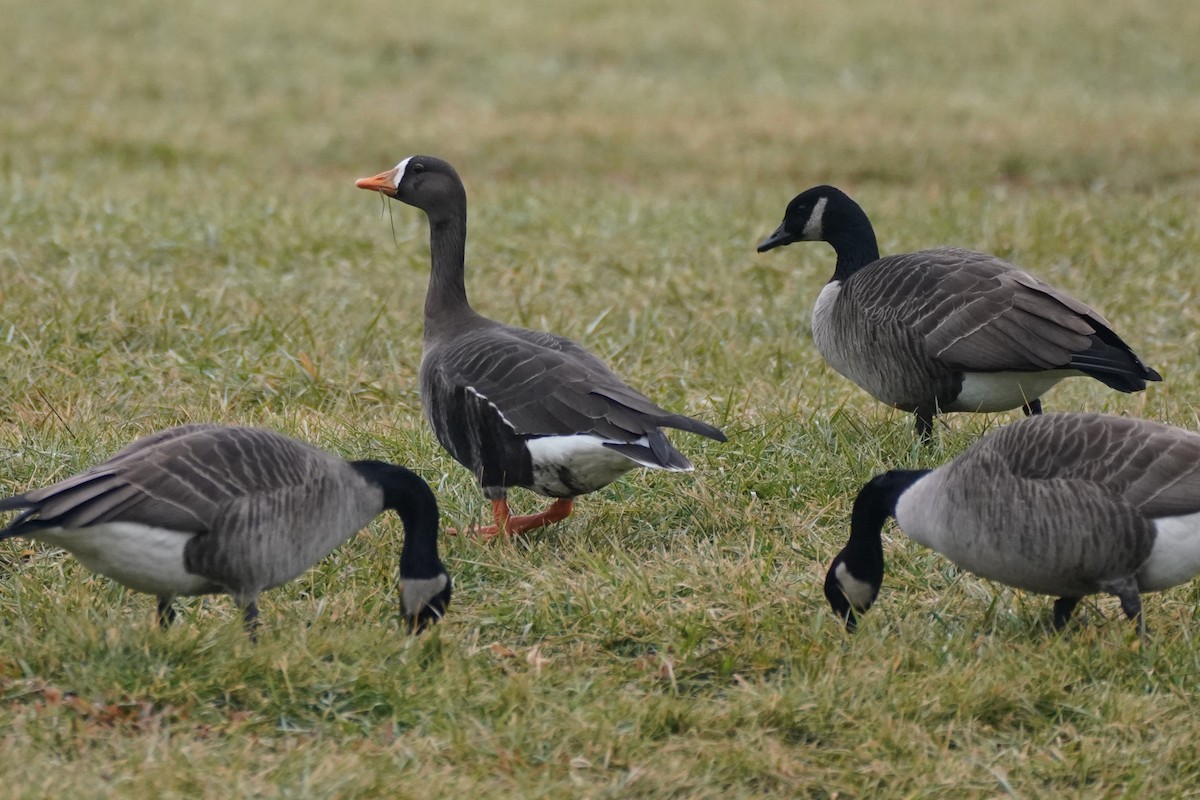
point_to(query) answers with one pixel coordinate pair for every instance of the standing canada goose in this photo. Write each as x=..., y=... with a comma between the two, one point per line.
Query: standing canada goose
x=203, y=509
x=514, y=406
x=1063, y=504
x=946, y=329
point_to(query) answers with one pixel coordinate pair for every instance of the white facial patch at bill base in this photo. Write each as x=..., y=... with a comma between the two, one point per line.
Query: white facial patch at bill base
x=812, y=228
x=400, y=169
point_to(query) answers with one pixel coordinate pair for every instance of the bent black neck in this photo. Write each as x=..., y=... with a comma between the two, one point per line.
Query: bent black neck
x=876, y=501
x=410, y=497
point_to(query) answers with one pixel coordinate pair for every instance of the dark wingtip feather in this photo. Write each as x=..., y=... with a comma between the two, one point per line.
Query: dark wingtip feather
x=17, y=502
x=1110, y=361
x=653, y=457
x=680, y=422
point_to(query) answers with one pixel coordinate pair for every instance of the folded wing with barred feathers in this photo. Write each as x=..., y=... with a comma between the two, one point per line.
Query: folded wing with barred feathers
x=545, y=385
x=979, y=313
x=1154, y=468
x=182, y=479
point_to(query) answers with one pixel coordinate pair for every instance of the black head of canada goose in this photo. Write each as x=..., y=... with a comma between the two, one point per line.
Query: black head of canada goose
x=519, y=407
x=1062, y=504
x=203, y=509
x=946, y=329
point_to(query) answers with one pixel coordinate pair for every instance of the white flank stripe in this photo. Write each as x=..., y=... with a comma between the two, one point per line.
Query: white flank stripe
x=494, y=407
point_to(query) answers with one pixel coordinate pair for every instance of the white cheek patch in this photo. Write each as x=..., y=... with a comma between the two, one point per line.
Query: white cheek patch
x=400, y=169
x=860, y=593
x=812, y=228
x=418, y=592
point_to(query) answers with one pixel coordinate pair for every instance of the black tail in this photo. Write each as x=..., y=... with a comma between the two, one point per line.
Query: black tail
x=1110, y=361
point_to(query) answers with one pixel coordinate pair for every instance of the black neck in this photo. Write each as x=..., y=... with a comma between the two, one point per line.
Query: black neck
x=863, y=554
x=410, y=497
x=854, y=242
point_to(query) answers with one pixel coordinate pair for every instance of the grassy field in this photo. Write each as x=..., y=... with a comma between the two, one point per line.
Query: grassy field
x=181, y=240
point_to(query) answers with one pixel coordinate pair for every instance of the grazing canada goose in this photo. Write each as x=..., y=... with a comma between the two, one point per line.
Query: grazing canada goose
x=203, y=509
x=514, y=406
x=946, y=329
x=1063, y=504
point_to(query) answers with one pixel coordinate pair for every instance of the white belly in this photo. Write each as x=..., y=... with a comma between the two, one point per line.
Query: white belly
x=1001, y=391
x=565, y=466
x=138, y=556
x=1175, y=558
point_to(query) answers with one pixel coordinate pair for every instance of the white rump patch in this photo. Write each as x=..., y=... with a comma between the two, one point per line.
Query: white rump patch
x=815, y=225
x=1002, y=391
x=141, y=557
x=400, y=168
x=860, y=593
x=590, y=464
x=1175, y=558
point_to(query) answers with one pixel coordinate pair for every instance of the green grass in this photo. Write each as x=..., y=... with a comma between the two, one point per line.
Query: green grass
x=180, y=240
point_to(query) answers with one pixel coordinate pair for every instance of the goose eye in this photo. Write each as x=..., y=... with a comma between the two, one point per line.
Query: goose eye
x=418, y=167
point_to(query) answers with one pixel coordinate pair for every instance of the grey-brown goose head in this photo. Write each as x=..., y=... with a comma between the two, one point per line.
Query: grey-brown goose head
x=425, y=182
x=432, y=185
x=203, y=509
x=1064, y=504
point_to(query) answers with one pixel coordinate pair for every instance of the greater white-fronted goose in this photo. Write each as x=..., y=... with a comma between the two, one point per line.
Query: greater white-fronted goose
x=204, y=509
x=1062, y=504
x=519, y=407
x=946, y=329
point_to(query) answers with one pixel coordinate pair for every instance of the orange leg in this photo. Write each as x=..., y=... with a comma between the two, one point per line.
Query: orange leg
x=510, y=525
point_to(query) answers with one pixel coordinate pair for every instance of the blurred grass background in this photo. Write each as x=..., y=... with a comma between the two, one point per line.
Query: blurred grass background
x=180, y=239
